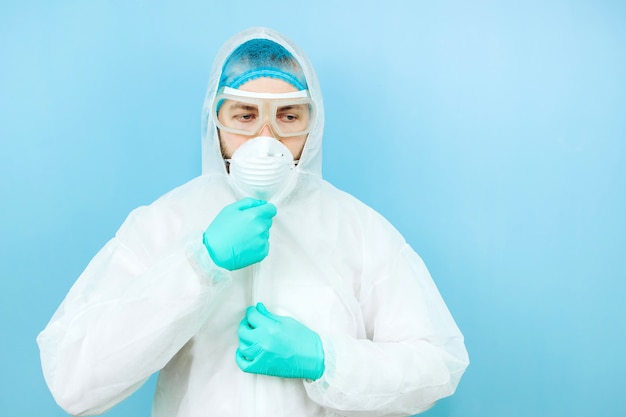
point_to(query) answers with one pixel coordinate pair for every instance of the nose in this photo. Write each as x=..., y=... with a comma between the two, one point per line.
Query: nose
x=266, y=130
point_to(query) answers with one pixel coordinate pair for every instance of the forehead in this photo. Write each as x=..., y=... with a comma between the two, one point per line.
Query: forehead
x=268, y=85
x=236, y=99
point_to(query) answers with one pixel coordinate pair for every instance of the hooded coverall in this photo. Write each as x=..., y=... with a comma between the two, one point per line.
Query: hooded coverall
x=152, y=300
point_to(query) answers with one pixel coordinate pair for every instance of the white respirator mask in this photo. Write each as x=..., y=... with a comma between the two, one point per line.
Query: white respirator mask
x=262, y=168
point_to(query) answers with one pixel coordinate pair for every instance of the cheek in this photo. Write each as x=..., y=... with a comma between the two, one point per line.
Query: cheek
x=230, y=143
x=295, y=145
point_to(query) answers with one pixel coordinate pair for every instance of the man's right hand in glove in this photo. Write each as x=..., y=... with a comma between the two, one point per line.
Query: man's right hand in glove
x=239, y=234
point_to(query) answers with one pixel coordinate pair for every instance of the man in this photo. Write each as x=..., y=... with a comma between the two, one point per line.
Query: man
x=257, y=288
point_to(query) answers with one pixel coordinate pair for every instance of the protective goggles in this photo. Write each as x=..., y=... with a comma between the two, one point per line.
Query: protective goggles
x=245, y=112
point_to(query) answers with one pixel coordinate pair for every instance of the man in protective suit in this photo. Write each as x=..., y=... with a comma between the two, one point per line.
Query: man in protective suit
x=256, y=289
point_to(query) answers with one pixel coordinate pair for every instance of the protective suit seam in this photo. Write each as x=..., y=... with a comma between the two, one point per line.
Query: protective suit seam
x=145, y=266
x=385, y=274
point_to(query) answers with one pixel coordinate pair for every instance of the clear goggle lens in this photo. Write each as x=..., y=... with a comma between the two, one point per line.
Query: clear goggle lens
x=245, y=113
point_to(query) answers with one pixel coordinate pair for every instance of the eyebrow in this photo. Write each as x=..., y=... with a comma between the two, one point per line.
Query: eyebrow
x=292, y=107
x=243, y=106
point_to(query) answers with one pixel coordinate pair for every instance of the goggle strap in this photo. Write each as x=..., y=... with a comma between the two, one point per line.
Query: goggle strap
x=249, y=94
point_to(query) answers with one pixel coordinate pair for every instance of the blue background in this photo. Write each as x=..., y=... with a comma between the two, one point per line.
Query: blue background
x=492, y=134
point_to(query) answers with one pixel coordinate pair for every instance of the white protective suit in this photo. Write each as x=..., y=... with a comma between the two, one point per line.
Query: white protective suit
x=152, y=300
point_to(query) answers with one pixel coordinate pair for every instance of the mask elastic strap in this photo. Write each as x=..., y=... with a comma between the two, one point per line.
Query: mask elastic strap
x=227, y=160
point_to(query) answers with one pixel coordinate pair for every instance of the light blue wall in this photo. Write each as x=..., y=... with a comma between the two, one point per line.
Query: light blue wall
x=492, y=134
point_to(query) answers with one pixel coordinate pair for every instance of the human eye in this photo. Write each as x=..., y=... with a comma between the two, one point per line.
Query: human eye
x=288, y=117
x=244, y=113
x=290, y=114
x=245, y=117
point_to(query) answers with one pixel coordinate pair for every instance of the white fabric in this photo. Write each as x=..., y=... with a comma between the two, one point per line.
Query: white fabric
x=152, y=300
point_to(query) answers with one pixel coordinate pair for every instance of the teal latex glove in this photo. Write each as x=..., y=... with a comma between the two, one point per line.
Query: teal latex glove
x=239, y=234
x=278, y=346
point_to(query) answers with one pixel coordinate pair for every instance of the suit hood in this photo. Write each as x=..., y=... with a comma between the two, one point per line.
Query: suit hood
x=311, y=158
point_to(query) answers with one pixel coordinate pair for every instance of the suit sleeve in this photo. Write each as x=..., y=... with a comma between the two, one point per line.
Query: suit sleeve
x=140, y=299
x=414, y=353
